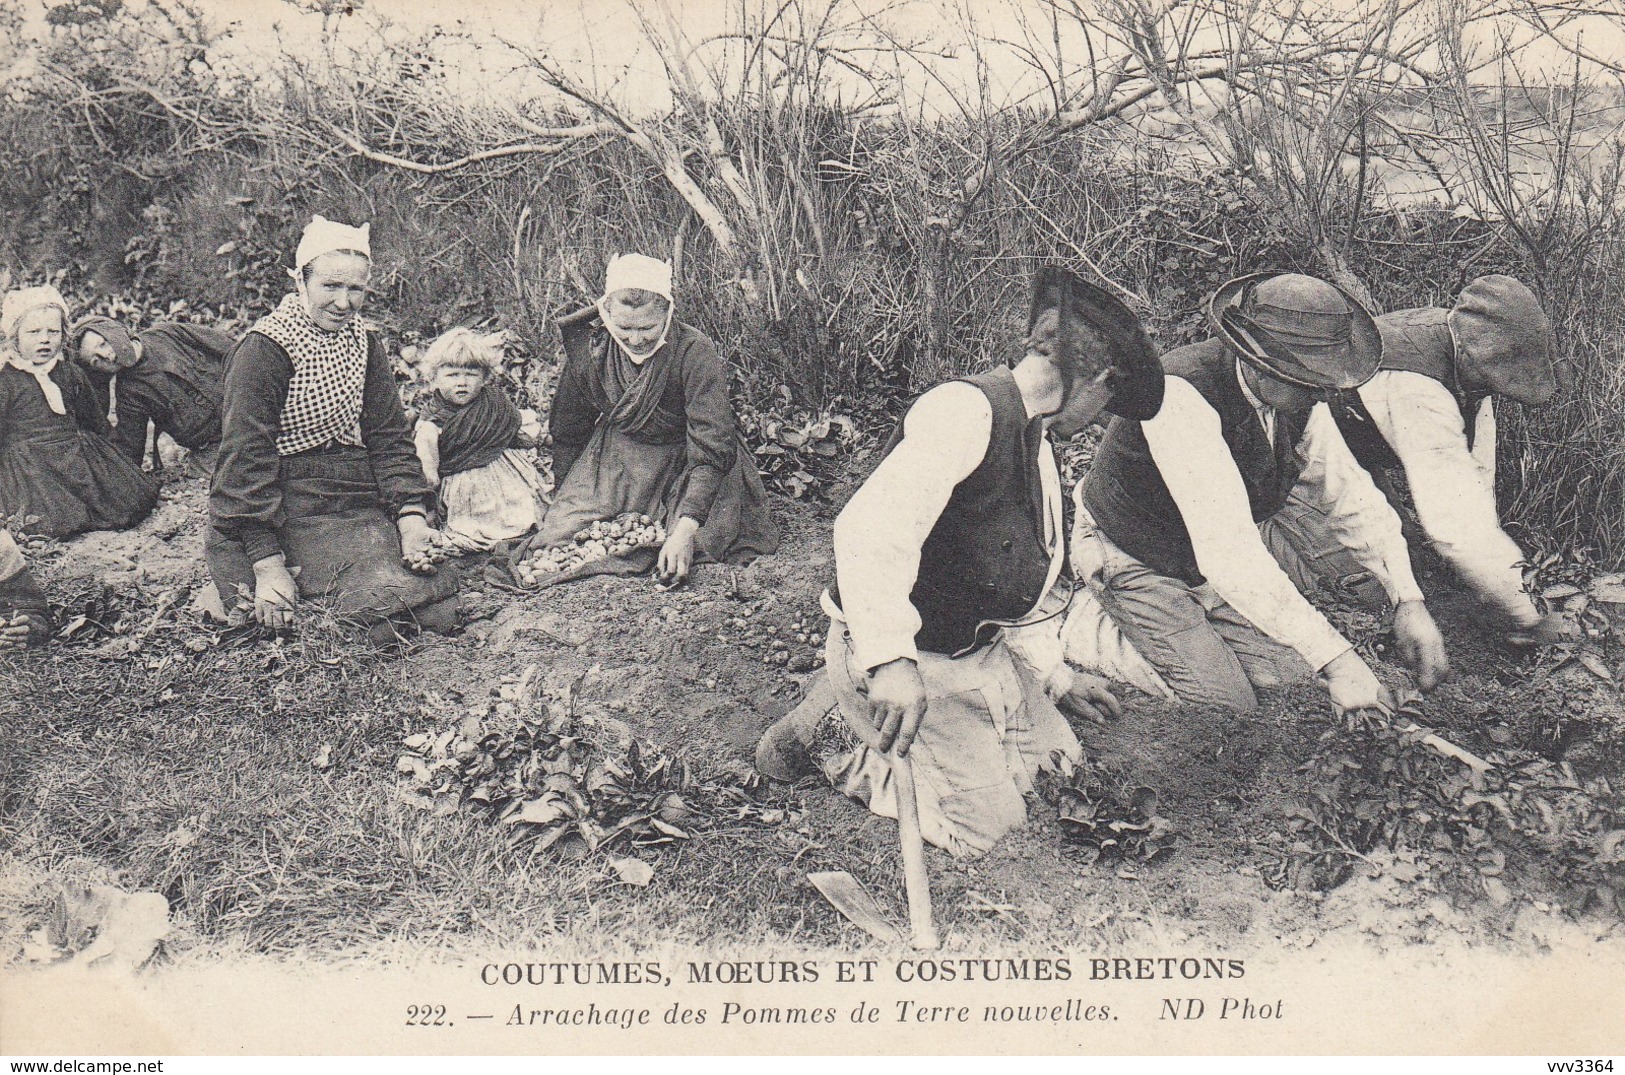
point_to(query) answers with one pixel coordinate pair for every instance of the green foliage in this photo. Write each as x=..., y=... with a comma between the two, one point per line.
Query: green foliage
x=1106, y=814
x=1375, y=787
x=575, y=784
x=797, y=452
x=866, y=269
x=82, y=12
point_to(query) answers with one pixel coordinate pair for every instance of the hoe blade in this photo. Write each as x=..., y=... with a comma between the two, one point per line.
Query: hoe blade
x=848, y=896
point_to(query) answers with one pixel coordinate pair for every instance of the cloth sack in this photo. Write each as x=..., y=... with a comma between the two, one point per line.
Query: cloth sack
x=988, y=731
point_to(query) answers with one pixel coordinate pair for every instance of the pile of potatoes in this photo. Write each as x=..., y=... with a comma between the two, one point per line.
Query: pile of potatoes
x=608, y=537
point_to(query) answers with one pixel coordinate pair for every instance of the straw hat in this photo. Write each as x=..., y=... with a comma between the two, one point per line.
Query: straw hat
x=1298, y=329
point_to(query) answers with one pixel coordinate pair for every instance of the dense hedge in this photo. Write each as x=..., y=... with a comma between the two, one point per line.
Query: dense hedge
x=877, y=283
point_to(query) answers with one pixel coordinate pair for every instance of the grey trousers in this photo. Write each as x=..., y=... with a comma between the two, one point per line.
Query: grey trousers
x=1299, y=537
x=1207, y=652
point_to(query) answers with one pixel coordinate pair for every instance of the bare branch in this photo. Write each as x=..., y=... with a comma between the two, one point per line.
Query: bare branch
x=441, y=167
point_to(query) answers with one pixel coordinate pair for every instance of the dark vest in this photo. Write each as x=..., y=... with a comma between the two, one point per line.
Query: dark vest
x=1127, y=496
x=1414, y=341
x=985, y=560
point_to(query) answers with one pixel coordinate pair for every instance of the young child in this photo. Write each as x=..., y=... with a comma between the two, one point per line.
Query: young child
x=468, y=437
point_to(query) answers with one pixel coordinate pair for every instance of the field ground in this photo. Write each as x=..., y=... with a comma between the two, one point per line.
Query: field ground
x=260, y=787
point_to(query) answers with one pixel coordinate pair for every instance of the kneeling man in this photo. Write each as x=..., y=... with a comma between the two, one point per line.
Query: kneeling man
x=1175, y=503
x=1431, y=410
x=941, y=559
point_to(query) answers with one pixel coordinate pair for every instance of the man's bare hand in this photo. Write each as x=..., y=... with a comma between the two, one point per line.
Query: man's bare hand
x=1090, y=699
x=1420, y=644
x=1353, y=687
x=1550, y=629
x=897, y=703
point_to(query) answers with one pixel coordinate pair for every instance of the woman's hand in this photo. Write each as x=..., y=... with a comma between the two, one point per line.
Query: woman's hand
x=275, y=593
x=677, y=554
x=14, y=631
x=419, y=549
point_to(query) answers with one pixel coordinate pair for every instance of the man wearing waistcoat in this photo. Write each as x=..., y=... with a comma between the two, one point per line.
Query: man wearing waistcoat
x=941, y=559
x=1173, y=505
x=1430, y=409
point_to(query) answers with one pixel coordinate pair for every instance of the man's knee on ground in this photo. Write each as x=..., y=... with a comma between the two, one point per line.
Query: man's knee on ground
x=1230, y=692
x=1201, y=669
x=1266, y=679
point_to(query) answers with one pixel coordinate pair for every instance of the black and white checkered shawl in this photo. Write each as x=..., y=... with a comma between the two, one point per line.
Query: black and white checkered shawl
x=329, y=377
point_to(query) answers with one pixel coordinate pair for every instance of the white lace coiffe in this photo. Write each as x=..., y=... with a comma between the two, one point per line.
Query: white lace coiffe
x=329, y=377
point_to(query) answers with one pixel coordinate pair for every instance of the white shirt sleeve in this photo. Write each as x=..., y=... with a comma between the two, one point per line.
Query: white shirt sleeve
x=879, y=533
x=1039, y=645
x=1358, y=514
x=1484, y=434
x=427, y=439
x=1187, y=442
x=1455, y=498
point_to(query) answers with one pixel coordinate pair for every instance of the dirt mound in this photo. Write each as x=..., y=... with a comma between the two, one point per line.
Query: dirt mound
x=701, y=671
x=164, y=551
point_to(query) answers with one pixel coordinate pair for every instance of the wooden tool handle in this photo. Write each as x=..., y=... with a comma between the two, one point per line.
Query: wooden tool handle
x=1445, y=746
x=915, y=878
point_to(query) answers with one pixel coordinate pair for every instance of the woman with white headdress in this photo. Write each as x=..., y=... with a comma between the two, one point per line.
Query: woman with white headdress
x=59, y=474
x=641, y=422
x=318, y=491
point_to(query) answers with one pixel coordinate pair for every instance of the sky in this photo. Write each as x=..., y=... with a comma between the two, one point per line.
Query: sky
x=967, y=43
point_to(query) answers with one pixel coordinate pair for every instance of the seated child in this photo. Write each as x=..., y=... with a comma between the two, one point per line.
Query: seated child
x=469, y=438
x=56, y=463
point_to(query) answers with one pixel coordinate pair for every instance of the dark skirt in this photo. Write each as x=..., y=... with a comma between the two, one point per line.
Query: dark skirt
x=346, y=547
x=617, y=473
x=71, y=481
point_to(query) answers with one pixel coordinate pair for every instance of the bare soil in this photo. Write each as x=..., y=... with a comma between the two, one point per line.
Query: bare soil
x=672, y=667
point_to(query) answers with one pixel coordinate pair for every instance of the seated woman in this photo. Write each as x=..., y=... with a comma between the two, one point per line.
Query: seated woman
x=167, y=376
x=317, y=475
x=470, y=441
x=24, y=617
x=642, y=423
x=57, y=467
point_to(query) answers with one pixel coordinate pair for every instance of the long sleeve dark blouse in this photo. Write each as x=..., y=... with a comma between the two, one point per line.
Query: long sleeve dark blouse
x=84, y=408
x=79, y=398
x=693, y=405
x=175, y=386
x=245, y=502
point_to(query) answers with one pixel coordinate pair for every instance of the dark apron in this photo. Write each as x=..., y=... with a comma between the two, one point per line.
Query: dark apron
x=338, y=535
